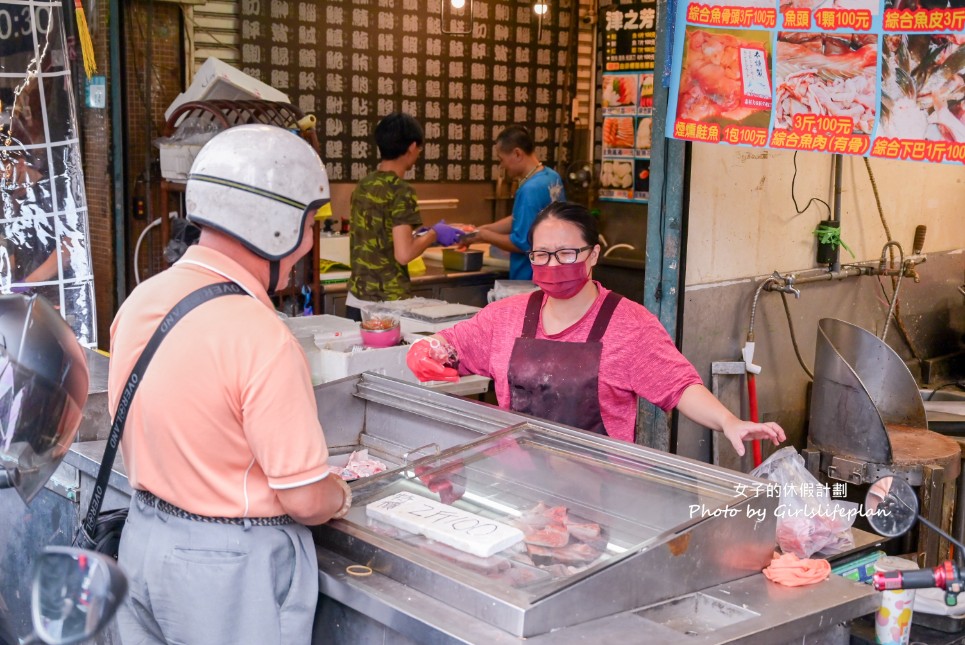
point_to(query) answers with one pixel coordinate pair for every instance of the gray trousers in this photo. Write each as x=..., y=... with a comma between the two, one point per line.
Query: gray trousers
x=199, y=583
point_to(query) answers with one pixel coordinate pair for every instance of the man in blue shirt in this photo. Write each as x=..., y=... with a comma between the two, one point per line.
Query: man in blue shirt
x=538, y=186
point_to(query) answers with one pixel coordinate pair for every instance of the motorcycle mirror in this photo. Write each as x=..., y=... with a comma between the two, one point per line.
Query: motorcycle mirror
x=75, y=594
x=891, y=506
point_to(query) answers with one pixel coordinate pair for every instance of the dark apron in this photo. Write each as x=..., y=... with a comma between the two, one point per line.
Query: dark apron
x=559, y=380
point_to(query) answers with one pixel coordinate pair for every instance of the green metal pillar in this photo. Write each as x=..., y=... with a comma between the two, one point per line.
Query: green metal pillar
x=663, y=281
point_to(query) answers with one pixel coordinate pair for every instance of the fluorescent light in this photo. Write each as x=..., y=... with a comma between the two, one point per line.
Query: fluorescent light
x=458, y=4
x=540, y=8
x=490, y=504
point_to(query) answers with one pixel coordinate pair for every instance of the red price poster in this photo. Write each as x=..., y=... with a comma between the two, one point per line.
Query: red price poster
x=626, y=100
x=882, y=78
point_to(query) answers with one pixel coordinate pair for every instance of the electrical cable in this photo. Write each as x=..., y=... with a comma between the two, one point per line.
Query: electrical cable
x=137, y=248
x=797, y=350
x=811, y=201
x=891, y=253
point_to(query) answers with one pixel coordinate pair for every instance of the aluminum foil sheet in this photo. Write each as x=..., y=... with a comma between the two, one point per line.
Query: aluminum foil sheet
x=44, y=235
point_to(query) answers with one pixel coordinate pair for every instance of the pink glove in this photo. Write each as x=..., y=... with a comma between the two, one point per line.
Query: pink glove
x=427, y=368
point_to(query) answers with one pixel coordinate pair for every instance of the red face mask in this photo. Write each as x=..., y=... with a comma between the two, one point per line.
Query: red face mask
x=561, y=281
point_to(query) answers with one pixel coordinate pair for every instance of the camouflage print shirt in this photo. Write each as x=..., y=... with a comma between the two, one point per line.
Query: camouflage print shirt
x=381, y=201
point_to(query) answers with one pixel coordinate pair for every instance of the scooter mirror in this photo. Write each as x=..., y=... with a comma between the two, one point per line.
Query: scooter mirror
x=75, y=594
x=891, y=506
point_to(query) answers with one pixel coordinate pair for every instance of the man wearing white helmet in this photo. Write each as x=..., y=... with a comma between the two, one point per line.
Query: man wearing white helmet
x=222, y=442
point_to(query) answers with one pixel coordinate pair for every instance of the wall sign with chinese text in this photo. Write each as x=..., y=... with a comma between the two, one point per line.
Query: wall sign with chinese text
x=626, y=98
x=880, y=78
x=350, y=62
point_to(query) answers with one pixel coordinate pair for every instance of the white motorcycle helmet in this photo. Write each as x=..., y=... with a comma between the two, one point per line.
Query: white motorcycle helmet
x=257, y=183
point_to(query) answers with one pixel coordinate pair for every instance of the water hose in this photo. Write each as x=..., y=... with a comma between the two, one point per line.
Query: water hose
x=752, y=369
x=752, y=405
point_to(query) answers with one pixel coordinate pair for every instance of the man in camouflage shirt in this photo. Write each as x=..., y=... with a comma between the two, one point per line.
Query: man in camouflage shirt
x=383, y=236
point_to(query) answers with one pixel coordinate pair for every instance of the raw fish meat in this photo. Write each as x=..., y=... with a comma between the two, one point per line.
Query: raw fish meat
x=359, y=465
x=557, y=514
x=540, y=554
x=576, y=554
x=582, y=530
x=534, y=518
x=553, y=535
x=519, y=576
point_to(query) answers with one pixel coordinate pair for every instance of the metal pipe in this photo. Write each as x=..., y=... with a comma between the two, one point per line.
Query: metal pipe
x=118, y=141
x=901, y=274
x=846, y=272
x=836, y=215
x=882, y=262
x=591, y=117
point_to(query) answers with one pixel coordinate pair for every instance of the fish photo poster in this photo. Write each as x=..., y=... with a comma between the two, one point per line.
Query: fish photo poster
x=879, y=78
x=626, y=100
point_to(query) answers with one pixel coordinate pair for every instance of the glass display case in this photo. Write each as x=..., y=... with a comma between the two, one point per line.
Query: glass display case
x=532, y=528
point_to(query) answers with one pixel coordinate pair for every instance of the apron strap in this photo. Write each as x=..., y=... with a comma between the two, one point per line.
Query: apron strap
x=531, y=321
x=603, y=316
x=535, y=303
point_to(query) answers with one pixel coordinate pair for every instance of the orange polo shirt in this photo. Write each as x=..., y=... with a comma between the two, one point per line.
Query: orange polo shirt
x=225, y=414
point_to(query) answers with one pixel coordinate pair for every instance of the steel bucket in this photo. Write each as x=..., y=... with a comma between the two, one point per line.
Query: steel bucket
x=860, y=386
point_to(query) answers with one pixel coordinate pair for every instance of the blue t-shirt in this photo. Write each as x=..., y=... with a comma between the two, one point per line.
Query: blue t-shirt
x=533, y=195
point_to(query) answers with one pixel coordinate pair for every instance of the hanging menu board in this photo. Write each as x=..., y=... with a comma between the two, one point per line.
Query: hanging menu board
x=350, y=62
x=629, y=52
x=856, y=77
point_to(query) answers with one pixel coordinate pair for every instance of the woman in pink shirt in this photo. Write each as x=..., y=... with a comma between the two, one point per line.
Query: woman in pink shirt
x=575, y=352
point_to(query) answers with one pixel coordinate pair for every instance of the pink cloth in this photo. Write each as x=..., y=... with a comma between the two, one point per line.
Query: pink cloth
x=791, y=571
x=639, y=358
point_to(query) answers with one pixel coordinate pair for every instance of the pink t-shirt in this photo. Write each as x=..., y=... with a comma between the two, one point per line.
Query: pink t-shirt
x=638, y=357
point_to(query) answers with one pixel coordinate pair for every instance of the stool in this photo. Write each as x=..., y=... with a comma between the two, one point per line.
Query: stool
x=927, y=460
x=940, y=459
x=958, y=525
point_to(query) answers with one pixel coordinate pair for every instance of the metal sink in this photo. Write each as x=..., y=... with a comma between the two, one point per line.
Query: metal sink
x=696, y=614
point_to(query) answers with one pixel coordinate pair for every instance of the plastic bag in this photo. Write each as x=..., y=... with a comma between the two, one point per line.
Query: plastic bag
x=808, y=520
x=379, y=318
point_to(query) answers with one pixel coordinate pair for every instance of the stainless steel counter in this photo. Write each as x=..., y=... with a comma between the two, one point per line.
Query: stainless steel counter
x=435, y=274
x=397, y=420
x=463, y=287
x=694, y=578
x=376, y=608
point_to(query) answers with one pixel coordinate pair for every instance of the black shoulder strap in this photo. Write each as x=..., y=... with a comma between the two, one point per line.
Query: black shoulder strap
x=603, y=316
x=531, y=319
x=185, y=305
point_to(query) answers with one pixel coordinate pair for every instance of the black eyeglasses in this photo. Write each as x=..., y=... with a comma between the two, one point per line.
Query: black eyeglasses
x=563, y=256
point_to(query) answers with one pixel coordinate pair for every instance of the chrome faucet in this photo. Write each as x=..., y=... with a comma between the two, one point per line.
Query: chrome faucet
x=783, y=283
